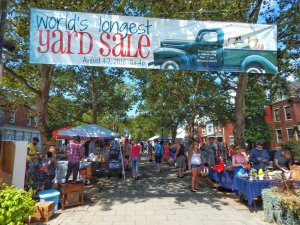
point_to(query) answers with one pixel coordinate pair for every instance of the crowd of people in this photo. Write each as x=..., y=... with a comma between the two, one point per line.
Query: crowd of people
x=197, y=158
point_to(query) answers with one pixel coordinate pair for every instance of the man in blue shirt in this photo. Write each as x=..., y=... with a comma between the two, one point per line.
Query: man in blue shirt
x=259, y=156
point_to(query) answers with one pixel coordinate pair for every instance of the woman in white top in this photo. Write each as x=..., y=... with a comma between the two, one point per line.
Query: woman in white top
x=195, y=160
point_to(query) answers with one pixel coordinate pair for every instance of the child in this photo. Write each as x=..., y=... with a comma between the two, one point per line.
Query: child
x=50, y=167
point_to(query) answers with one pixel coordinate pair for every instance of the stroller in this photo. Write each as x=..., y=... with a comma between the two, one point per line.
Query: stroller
x=172, y=158
x=115, y=165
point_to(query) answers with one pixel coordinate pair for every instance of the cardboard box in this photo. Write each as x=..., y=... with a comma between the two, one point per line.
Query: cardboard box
x=43, y=211
x=295, y=172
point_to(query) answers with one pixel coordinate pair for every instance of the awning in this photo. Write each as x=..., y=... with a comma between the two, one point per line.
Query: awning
x=88, y=131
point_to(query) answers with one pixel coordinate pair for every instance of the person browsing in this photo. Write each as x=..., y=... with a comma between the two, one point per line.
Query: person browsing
x=75, y=152
x=259, y=156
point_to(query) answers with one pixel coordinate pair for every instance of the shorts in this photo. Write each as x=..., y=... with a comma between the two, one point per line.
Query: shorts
x=181, y=161
x=193, y=166
x=32, y=166
x=157, y=158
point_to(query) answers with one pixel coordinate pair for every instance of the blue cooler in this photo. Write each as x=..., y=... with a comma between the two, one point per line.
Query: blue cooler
x=50, y=195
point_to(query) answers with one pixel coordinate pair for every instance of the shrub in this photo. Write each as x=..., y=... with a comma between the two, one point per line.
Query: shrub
x=281, y=207
x=15, y=205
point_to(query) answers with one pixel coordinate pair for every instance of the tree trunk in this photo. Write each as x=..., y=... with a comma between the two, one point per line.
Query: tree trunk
x=174, y=132
x=190, y=128
x=42, y=98
x=240, y=109
x=3, y=9
x=94, y=102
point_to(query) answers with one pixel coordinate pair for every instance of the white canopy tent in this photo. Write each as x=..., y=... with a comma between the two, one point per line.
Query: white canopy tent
x=88, y=131
x=153, y=138
x=181, y=133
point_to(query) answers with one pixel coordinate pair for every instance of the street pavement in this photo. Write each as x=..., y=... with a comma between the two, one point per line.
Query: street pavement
x=156, y=199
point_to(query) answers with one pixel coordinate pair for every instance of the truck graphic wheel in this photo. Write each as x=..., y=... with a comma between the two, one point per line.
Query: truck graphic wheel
x=255, y=68
x=170, y=65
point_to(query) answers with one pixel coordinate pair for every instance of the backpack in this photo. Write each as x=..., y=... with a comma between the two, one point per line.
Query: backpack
x=181, y=150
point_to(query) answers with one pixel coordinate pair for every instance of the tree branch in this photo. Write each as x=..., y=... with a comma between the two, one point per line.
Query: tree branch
x=62, y=113
x=252, y=79
x=21, y=79
x=96, y=7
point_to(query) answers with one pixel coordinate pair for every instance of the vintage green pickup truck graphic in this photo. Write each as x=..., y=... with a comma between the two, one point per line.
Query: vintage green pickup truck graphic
x=209, y=52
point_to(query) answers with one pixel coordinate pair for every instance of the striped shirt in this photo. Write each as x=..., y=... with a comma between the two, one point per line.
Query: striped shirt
x=74, y=151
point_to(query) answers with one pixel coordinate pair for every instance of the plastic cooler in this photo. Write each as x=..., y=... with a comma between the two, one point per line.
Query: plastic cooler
x=50, y=195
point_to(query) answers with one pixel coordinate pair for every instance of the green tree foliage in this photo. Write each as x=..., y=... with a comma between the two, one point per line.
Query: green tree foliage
x=286, y=16
x=97, y=93
x=209, y=104
x=178, y=98
x=174, y=98
x=256, y=127
x=33, y=81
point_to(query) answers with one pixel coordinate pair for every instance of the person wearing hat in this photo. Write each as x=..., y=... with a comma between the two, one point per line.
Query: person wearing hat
x=32, y=159
x=32, y=150
x=259, y=156
x=75, y=152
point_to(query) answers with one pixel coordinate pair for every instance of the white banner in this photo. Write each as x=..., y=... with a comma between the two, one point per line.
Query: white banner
x=74, y=38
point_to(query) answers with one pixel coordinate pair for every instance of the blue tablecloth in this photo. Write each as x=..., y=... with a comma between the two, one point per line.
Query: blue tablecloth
x=250, y=189
x=224, y=178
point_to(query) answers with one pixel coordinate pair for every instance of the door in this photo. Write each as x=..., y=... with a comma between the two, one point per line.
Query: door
x=208, y=52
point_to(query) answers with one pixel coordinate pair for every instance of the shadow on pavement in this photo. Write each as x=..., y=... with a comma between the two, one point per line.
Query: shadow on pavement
x=151, y=184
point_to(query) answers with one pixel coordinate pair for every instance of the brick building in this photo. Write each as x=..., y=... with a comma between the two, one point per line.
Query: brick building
x=211, y=131
x=18, y=125
x=285, y=112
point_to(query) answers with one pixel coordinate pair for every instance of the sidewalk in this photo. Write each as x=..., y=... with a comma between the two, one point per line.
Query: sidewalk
x=157, y=198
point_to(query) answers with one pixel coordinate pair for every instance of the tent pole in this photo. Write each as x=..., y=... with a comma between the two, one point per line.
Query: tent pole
x=123, y=169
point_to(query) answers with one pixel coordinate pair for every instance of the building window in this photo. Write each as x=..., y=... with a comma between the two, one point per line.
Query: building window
x=231, y=140
x=29, y=121
x=9, y=135
x=279, y=136
x=276, y=115
x=287, y=110
x=27, y=136
x=19, y=135
x=290, y=133
x=209, y=129
x=12, y=117
x=35, y=121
